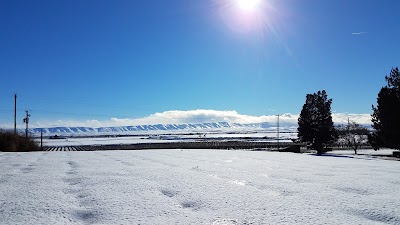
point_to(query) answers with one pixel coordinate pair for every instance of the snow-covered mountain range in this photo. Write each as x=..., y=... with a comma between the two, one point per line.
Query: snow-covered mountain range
x=199, y=127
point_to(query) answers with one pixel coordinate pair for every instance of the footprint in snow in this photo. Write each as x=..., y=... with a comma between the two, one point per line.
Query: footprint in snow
x=225, y=222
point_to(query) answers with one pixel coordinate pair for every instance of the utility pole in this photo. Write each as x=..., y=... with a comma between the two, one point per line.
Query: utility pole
x=15, y=114
x=278, y=132
x=348, y=131
x=41, y=139
x=26, y=120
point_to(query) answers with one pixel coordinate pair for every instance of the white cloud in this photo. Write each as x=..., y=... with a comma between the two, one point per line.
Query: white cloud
x=70, y=123
x=198, y=116
x=358, y=118
x=358, y=33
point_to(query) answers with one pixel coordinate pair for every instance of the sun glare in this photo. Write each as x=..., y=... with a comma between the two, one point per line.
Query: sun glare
x=246, y=16
x=248, y=5
x=257, y=18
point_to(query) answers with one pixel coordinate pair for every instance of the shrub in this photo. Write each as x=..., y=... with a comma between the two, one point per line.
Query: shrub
x=10, y=142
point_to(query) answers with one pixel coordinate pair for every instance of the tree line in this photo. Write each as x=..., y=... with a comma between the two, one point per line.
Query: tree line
x=316, y=127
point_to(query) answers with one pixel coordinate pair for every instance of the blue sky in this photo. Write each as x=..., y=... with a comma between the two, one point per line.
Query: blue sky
x=96, y=60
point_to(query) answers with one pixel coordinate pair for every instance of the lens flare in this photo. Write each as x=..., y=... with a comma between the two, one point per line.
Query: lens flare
x=246, y=15
x=263, y=20
x=248, y=5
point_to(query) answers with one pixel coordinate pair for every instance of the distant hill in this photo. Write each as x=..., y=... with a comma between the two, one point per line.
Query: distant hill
x=157, y=128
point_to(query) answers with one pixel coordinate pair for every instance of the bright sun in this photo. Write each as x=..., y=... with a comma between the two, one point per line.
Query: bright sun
x=248, y=5
x=247, y=15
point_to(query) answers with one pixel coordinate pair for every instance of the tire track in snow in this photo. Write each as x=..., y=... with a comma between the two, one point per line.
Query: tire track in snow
x=197, y=204
x=162, y=189
x=31, y=166
x=7, y=156
x=376, y=215
x=151, y=177
x=13, y=166
x=268, y=189
x=182, y=202
x=4, y=178
x=87, y=210
x=187, y=203
x=180, y=194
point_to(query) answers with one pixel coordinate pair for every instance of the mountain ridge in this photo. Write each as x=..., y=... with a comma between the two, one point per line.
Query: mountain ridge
x=148, y=128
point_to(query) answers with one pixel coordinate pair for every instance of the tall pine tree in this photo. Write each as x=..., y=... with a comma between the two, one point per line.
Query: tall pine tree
x=315, y=121
x=386, y=115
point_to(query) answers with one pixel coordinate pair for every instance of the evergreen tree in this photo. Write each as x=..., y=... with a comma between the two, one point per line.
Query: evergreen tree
x=315, y=121
x=386, y=115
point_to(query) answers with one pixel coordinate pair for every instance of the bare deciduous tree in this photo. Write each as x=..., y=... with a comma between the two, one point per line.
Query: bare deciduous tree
x=354, y=135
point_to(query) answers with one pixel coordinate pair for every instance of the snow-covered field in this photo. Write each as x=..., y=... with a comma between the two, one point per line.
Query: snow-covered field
x=196, y=187
x=101, y=141
x=165, y=138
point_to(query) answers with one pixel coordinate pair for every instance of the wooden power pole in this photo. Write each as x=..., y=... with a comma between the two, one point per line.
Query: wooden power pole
x=15, y=114
x=41, y=139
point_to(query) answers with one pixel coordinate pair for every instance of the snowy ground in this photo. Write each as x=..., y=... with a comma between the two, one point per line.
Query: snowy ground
x=364, y=152
x=196, y=187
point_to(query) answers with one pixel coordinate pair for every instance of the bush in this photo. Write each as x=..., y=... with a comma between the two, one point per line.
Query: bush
x=16, y=143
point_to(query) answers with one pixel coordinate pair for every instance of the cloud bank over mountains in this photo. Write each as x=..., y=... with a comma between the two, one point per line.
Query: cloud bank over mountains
x=197, y=116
